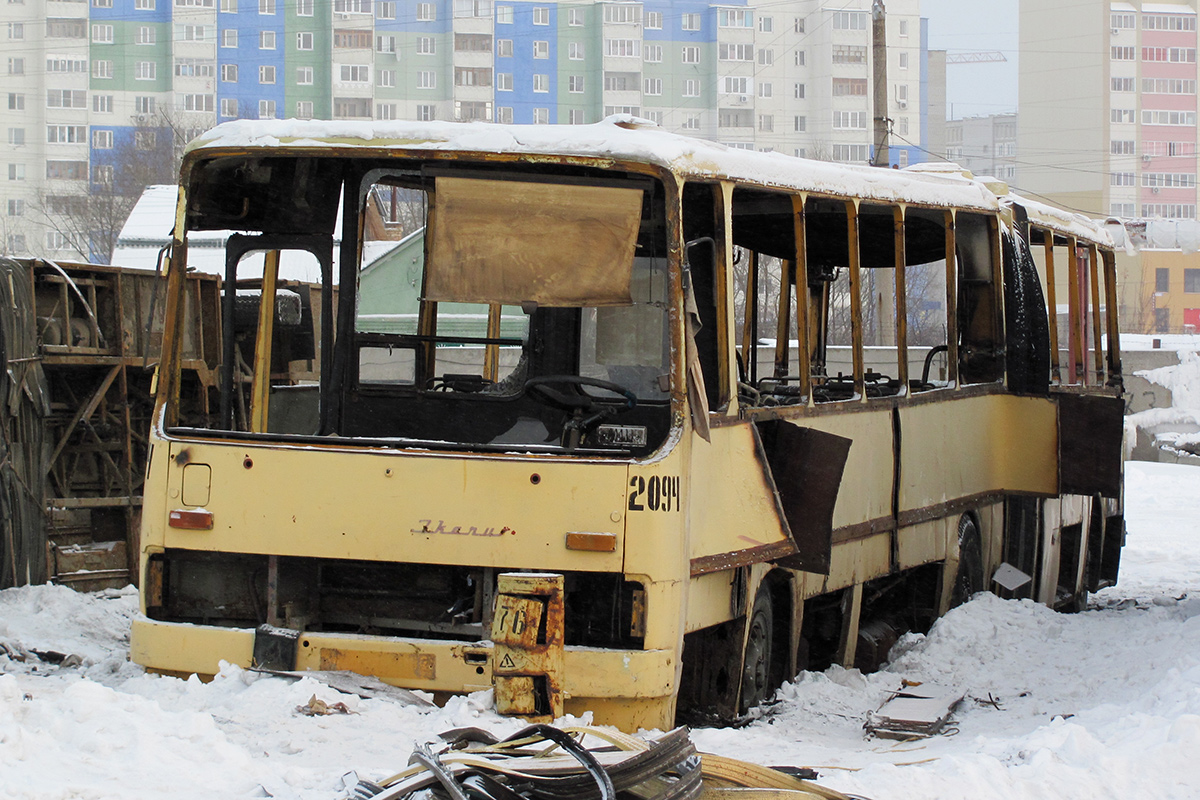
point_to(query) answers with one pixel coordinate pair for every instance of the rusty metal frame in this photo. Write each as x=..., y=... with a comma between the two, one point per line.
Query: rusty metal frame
x=1052, y=306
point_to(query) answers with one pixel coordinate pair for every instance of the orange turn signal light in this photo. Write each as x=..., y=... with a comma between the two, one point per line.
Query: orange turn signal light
x=594, y=542
x=191, y=520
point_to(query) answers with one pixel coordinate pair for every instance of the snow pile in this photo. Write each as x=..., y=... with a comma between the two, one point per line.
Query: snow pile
x=1183, y=381
x=1102, y=704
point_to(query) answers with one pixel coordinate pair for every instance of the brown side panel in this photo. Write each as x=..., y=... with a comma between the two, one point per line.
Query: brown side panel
x=807, y=466
x=1090, y=429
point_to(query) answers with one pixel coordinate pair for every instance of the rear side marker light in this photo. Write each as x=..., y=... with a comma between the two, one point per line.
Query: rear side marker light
x=594, y=542
x=191, y=520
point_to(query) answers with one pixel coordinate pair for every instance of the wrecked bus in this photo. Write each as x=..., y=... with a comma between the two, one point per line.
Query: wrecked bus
x=614, y=420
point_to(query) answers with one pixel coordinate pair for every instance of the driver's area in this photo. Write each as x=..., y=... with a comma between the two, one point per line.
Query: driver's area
x=504, y=310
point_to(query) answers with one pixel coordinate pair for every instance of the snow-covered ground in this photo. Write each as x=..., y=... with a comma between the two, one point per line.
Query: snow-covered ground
x=1103, y=704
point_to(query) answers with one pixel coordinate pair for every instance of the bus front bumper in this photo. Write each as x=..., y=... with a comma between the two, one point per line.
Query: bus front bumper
x=626, y=688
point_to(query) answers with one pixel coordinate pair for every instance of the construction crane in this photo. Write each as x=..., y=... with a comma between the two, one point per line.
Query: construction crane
x=981, y=57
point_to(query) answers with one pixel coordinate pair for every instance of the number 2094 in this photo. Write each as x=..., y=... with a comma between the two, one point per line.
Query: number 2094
x=654, y=493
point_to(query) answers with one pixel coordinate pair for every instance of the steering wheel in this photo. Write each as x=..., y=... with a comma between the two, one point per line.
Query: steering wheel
x=539, y=387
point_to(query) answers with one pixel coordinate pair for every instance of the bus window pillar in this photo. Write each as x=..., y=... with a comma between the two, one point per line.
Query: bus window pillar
x=1076, y=315
x=723, y=299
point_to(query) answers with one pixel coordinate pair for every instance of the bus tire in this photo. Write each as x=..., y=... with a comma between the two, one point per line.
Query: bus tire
x=968, y=579
x=758, y=662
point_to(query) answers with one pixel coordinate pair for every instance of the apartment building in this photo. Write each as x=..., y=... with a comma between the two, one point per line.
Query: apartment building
x=985, y=145
x=1108, y=106
x=94, y=88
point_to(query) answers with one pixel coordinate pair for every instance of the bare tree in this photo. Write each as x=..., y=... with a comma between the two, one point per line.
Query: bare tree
x=89, y=221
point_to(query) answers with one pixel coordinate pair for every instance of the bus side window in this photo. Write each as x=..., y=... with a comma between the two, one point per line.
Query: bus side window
x=700, y=210
x=925, y=298
x=979, y=352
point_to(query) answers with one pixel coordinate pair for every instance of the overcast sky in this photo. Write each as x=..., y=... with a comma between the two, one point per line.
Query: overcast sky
x=976, y=26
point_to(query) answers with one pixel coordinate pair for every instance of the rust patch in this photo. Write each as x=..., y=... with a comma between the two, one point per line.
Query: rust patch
x=386, y=666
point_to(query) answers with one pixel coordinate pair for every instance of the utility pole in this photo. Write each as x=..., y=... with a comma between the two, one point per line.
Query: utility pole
x=879, y=73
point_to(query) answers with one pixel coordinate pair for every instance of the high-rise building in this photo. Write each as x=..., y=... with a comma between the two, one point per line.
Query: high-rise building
x=100, y=94
x=985, y=145
x=1108, y=106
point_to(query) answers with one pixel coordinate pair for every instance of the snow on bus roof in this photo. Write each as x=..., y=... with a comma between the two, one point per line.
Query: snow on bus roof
x=621, y=137
x=1067, y=223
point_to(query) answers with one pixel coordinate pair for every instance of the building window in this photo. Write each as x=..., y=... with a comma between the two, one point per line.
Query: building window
x=304, y=41
x=576, y=116
x=735, y=85
x=1122, y=147
x=801, y=124
x=734, y=18
x=102, y=34
x=504, y=115
x=386, y=77
x=849, y=20
x=426, y=79
x=266, y=74
x=653, y=86
x=229, y=107
x=351, y=108
x=849, y=54
x=735, y=52
x=16, y=172
x=541, y=15
x=904, y=61
x=266, y=109
x=16, y=241
x=66, y=28
x=764, y=24
x=618, y=13
x=654, y=20
x=355, y=73
x=1126, y=84
x=541, y=83
x=304, y=8
x=849, y=120
x=304, y=109
x=689, y=22
x=575, y=84
x=266, y=40
x=799, y=58
x=691, y=122
x=426, y=113
x=575, y=17
x=197, y=102
x=504, y=48
x=101, y=103
x=504, y=82
x=766, y=123
x=691, y=87
x=1162, y=279
x=426, y=12
x=229, y=37
x=385, y=111
x=541, y=49
x=1162, y=320
x=66, y=170
x=16, y=136
x=426, y=46
x=764, y=89
x=1191, y=281
x=16, y=207
x=472, y=76
x=766, y=57
x=16, y=66
x=575, y=51
x=541, y=116
x=144, y=104
x=690, y=55
x=351, y=39
x=504, y=15
x=228, y=6
x=66, y=98
x=16, y=30
x=1121, y=115
x=1123, y=53
x=229, y=73
x=469, y=110
x=385, y=9
x=654, y=53
x=266, y=8
x=1122, y=21
x=1121, y=179
x=304, y=76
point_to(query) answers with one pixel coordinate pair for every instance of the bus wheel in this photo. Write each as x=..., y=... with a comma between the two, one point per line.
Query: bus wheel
x=969, y=578
x=757, y=672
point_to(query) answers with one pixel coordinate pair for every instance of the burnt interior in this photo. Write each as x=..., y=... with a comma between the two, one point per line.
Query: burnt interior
x=292, y=204
x=427, y=601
